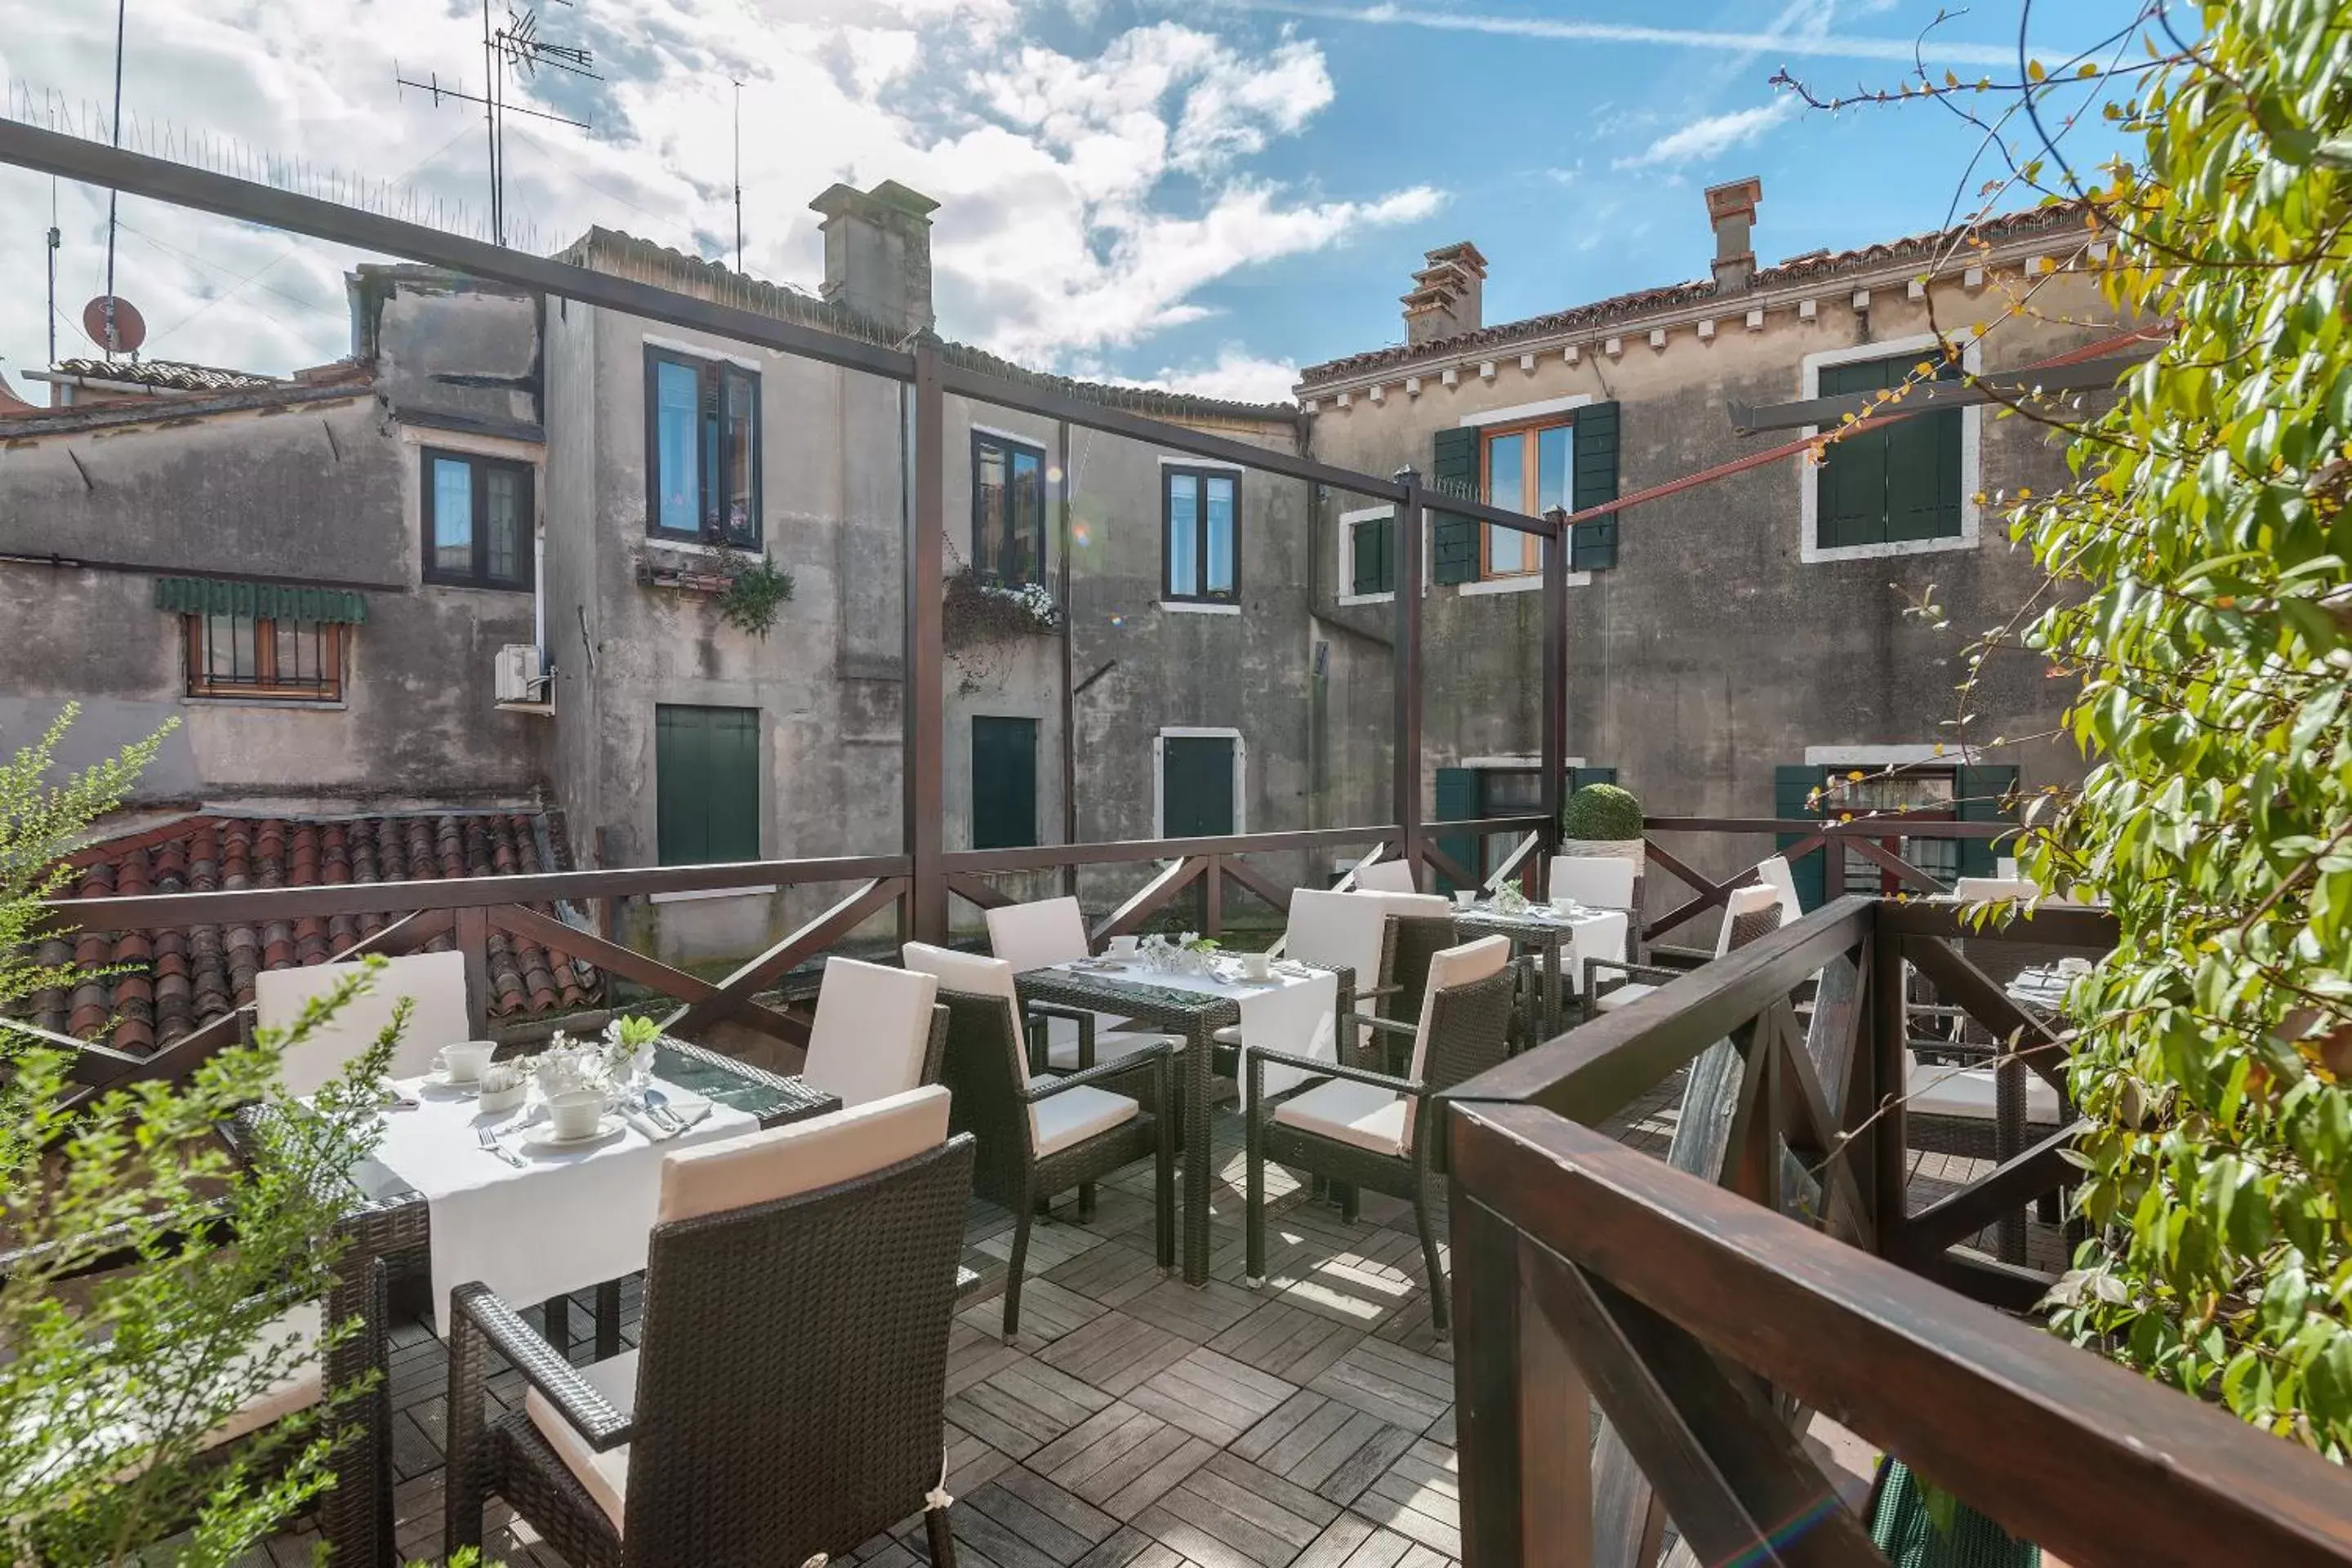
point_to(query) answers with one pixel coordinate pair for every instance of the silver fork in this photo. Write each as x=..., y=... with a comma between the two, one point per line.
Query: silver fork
x=490, y=1141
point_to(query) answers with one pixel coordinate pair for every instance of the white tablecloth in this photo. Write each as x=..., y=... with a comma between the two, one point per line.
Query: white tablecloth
x=567, y=1220
x=1293, y=1013
x=1592, y=933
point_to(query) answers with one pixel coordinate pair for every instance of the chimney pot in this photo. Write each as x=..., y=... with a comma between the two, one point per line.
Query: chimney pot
x=877, y=254
x=1447, y=294
x=1731, y=210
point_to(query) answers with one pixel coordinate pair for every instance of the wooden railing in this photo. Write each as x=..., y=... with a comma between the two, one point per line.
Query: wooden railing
x=1768, y=1269
x=1865, y=835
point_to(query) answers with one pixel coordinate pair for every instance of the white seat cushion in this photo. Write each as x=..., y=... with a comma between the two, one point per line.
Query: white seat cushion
x=1937, y=1090
x=1076, y=1115
x=605, y=1475
x=1625, y=995
x=1349, y=1113
x=1110, y=1043
x=873, y=1027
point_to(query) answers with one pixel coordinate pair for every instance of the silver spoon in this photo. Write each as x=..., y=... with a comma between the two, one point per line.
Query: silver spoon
x=657, y=1107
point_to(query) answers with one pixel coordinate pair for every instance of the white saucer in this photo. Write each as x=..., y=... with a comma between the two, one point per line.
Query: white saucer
x=439, y=1079
x=543, y=1134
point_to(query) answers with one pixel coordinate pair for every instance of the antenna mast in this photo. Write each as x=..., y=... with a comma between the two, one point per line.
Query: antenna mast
x=516, y=46
x=122, y=13
x=739, y=174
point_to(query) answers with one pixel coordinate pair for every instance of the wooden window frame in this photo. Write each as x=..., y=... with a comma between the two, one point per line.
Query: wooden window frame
x=985, y=565
x=480, y=465
x=1889, y=884
x=1168, y=474
x=265, y=686
x=711, y=379
x=1529, y=472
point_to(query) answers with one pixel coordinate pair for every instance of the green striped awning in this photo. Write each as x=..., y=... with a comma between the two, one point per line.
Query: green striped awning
x=259, y=601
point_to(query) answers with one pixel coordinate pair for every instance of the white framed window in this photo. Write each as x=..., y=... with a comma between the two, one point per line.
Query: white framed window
x=1907, y=490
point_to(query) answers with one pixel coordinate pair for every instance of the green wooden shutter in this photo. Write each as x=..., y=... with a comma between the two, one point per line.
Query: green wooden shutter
x=1196, y=786
x=1453, y=540
x=1923, y=469
x=1374, y=551
x=1984, y=797
x=1003, y=783
x=1592, y=545
x=1850, y=490
x=1793, y=787
x=1458, y=801
x=706, y=785
x=1577, y=777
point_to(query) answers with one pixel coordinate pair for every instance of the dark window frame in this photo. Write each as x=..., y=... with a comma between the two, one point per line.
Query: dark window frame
x=481, y=464
x=986, y=563
x=713, y=378
x=1862, y=873
x=1200, y=592
x=329, y=643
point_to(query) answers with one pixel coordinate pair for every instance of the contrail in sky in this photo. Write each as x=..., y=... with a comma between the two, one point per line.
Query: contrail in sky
x=1825, y=47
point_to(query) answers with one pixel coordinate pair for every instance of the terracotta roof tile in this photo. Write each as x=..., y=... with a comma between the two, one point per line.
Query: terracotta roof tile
x=1626, y=307
x=169, y=983
x=172, y=374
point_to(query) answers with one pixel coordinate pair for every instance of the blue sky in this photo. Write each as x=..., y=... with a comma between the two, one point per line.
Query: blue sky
x=1206, y=194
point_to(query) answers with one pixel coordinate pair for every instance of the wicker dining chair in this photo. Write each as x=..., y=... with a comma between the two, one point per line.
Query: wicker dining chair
x=1041, y=1134
x=788, y=1391
x=1421, y=926
x=878, y=1031
x=1049, y=932
x=1385, y=877
x=1359, y=1126
x=1751, y=912
x=433, y=983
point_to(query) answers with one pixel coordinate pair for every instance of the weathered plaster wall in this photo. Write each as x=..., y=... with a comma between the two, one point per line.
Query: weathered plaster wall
x=319, y=492
x=1712, y=653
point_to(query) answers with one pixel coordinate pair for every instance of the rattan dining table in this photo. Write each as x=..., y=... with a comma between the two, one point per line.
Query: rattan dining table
x=1544, y=931
x=1195, y=1017
x=388, y=1228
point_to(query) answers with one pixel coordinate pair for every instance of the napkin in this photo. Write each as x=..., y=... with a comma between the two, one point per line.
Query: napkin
x=683, y=1111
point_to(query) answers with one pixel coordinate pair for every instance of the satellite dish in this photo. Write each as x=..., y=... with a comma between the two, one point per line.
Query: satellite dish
x=114, y=324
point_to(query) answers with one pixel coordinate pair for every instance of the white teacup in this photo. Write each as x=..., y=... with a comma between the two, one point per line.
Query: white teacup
x=1257, y=966
x=1122, y=947
x=464, y=1061
x=1465, y=898
x=576, y=1113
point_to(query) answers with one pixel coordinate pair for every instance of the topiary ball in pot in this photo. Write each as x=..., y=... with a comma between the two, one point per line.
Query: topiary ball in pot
x=1603, y=819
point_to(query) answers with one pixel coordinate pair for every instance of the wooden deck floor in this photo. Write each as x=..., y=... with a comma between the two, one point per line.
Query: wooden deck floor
x=1306, y=1424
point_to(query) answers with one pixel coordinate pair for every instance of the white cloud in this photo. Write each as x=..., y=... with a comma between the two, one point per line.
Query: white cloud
x=1815, y=43
x=1087, y=201
x=1711, y=136
x=1235, y=374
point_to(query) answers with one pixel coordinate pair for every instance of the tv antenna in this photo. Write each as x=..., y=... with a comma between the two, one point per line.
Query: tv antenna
x=739, y=174
x=516, y=49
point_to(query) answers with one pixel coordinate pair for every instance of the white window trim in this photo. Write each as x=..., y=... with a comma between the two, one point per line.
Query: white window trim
x=1894, y=756
x=1348, y=521
x=477, y=445
x=1524, y=583
x=1808, y=473
x=1042, y=445
x=704, y=351
x=1188, y=607
x=1160, y=771
x=1519, y=411
x=1178, y=461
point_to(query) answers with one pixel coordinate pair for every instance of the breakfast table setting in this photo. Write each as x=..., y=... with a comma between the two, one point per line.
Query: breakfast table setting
x=1561, y=934
x=1190, y=988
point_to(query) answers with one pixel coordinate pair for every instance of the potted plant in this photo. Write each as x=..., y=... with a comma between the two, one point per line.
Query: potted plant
x=1602, y=820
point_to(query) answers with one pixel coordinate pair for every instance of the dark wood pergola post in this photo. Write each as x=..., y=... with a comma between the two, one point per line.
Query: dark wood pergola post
x=1406, y=746
x=923, y=818
x=1555, y=682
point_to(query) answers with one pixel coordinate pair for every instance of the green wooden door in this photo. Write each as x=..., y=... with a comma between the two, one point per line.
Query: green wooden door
x=1196, y=783
x=1003, y=783
x=706, y=785
x=1796, y=789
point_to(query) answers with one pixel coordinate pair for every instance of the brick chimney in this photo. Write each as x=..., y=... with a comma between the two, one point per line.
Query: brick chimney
x=877, y=254
x=1732, y=210
x=1447, y=294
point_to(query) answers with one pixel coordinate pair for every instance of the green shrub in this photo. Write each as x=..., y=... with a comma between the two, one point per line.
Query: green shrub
x=1601, y=812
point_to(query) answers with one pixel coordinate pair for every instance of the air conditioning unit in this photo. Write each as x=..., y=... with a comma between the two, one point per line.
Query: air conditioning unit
x=521, y=676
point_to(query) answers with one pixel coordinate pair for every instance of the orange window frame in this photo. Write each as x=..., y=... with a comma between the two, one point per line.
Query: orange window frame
x=267, y=679
x=1529, y=474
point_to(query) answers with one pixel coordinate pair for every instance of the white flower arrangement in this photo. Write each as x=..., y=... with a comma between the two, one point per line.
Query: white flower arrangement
x=1034, y=599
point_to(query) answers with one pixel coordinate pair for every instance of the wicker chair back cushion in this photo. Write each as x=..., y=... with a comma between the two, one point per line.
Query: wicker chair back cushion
x=1031, y=936
x=1751, y=912
x=1386, y=876
x=1774, y=873
x=801, y=1156
x=1421, y=906
x=1471, y=961
x=1601, y=881
x=793, y=1367
x=969, y=974
x=873, y=1026
x=435, y=981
